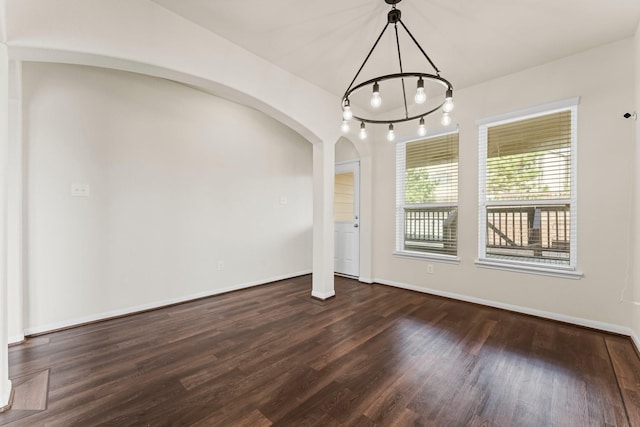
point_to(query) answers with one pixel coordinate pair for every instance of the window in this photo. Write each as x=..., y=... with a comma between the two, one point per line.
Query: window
x=528, y=190
x=427, y=197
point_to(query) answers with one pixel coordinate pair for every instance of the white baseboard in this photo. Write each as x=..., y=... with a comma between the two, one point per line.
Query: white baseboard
x=323, y=295
x=5, y=398
x=607, y=327
x=16, y=339
x=154, y=305
x=635, y=339
x=365, y=280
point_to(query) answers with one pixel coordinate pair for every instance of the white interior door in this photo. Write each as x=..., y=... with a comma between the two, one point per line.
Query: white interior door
x=347, y=219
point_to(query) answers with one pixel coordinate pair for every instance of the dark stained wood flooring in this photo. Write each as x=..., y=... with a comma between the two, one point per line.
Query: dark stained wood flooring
x=374, y=355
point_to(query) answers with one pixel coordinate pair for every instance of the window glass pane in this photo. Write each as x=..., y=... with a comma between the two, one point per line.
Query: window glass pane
x=343, y=197
x=540, y=233
x=530, y=159
x=428, y=185
x=431, y=170
x=529, y=209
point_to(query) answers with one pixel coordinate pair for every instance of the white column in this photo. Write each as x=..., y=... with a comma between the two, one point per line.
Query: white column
x=323, y=188
x=14, y=207
x=5, y=384
x=366, y=219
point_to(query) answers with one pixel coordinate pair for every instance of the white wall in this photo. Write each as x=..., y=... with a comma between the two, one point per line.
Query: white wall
x=604, y=79
x=179, y=180
x=346, y=151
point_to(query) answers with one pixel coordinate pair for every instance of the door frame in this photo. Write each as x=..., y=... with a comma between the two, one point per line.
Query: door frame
x=354, y=167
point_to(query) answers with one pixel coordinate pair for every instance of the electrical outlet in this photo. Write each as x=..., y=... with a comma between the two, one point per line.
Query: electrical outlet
x=80, y=190
x=430, y=268
x=220, y=265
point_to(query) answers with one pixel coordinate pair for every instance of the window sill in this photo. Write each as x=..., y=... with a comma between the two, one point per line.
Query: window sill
x=448, y=259
x=562, y=272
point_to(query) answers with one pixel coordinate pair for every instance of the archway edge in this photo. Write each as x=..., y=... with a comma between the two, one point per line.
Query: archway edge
x=143, y=37
x=206, y=85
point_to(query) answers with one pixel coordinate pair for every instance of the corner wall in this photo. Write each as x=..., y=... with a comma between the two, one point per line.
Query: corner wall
x=5, y=383
x=602, y=77
x=190, y=194
x=635, y=324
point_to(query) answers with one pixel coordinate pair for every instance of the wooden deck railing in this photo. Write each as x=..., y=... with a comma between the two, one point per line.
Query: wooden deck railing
x=431, y=229
x=541, y=232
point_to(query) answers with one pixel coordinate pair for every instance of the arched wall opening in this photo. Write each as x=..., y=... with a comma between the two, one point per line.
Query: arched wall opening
x=181, y=187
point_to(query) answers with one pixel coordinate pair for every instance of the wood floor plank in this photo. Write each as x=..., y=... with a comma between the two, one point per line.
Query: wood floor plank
x=31, y=393
x=372, y=356
x=624, y=360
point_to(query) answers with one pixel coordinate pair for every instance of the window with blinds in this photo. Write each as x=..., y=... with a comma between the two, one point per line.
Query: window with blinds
x=527, y=189
x=427, y=195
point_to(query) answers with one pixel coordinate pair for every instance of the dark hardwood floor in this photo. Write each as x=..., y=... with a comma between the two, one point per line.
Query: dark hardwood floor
x=374, y=355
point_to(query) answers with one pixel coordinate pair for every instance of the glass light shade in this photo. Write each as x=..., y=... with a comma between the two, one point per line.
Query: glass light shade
x=345, y=126
x=421, y=96
x=447, y=107
x=363, y=132
x=446, y=119
x=376, y=100
x=391, y=135
x=347, y=114
x=422, y=129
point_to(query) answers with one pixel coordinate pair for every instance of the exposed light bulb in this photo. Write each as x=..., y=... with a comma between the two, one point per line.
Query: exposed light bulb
x=447, y=107
x=421, y=96
x=422, y=129
x=345, y=126
x=376, y=100
x=347, y=114
x=363, y=132
x=391, y=135
x=446, y=119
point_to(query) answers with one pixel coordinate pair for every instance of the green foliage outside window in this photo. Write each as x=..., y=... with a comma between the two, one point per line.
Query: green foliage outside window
x=518, y=173
x=419, y=188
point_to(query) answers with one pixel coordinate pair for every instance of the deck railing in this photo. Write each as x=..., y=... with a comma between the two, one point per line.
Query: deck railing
x=432, y=229
x=539, y=232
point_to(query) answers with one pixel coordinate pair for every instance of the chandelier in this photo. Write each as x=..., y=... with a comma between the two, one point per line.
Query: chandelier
x=439, y=95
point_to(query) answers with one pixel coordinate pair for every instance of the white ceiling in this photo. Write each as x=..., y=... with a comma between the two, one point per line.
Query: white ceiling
x=471, y=41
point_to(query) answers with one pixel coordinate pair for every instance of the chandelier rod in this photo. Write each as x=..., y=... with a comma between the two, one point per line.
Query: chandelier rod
x=404, y=91
x=366, y=59
x=419, y=47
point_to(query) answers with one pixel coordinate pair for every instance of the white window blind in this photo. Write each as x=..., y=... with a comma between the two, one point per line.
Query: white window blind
x=527, y=189
x=427, y=195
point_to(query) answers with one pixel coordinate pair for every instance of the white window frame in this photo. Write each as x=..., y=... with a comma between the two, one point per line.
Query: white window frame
x=567, y=271
x=400, y=201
